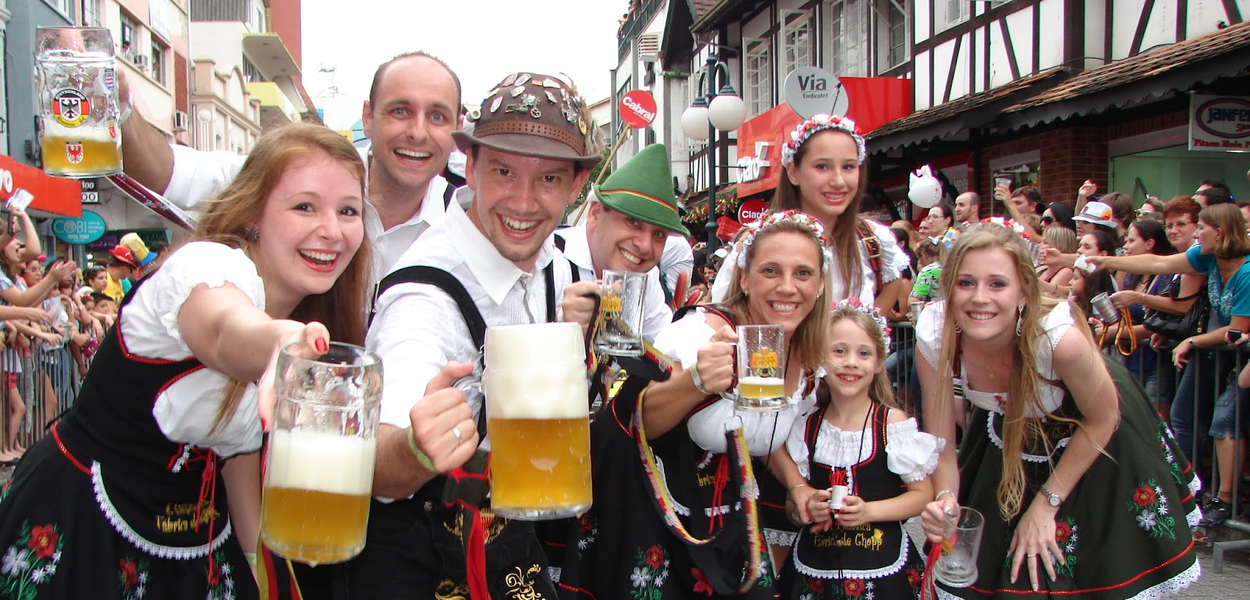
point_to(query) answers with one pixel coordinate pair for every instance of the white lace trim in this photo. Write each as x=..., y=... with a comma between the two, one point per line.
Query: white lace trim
x=678, y=507
x=885, y=571
x=1162, y=589
x=1194, y=516
x=1037, y=458
x=123, y=528
x=778, y=537
x=1181, y=581
x=554, y=573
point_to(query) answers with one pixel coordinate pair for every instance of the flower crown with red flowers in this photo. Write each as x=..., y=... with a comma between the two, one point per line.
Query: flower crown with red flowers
x=873, y=312
x=807, y=221
x=815, y=125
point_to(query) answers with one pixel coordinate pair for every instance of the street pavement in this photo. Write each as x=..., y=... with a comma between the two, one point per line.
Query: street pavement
x=1234, y=582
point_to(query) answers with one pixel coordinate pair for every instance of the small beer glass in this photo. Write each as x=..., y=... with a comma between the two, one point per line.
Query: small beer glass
x=620, y=314
x=538, y=421
x=761, y=368
x=78, y=104
x=961, y=543
x=319, y=467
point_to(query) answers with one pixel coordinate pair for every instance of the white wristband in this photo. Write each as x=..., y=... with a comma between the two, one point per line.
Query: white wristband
x=938, y=496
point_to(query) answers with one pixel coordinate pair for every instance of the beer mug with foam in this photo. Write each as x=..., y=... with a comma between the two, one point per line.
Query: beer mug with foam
x=319, y=467
x=78, y=105
x=538, y=421
x=761, y=368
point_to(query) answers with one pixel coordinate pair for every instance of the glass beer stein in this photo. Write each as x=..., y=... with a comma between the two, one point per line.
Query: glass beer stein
x=538, y=421
x=319, y=467
x=78, y=104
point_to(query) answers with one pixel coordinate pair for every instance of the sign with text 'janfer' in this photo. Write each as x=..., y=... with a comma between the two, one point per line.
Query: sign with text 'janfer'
x=1219, y=123
x=638, y=108
x=811, y=91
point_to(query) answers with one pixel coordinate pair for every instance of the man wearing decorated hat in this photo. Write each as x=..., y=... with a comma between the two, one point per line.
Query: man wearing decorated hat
x=628, y=224
x=529, y=155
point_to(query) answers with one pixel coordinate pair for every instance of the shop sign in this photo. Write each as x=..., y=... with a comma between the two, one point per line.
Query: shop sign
x=751, y=168
x=51, y=194
x=811, y=91
x=638, y=108
x=752, y=210
x=1219, y=123
x=83, y=230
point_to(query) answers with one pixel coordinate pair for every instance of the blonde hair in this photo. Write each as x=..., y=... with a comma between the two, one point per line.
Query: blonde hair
x=229, y=218
x=810, y=342
x=880, y=391
x=1023, y=388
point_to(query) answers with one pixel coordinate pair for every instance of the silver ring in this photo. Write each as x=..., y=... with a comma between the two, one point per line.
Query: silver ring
x=1031, y=555
x=456, y=432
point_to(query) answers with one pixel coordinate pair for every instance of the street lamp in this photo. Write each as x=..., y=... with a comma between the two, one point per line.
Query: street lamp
x=713, y=111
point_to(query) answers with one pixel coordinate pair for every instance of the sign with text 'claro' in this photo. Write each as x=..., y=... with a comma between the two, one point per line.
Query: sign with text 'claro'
x=638, y=108
x=1219, y=123
x=83, y=230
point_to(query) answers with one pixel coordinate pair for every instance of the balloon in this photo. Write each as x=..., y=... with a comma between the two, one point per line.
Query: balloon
x=924, y=191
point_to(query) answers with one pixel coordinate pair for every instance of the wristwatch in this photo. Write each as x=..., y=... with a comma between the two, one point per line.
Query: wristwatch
x=1051, y=498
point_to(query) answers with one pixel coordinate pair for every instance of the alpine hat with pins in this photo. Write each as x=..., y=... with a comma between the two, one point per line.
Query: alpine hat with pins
x=642, y=188
x=532, y=115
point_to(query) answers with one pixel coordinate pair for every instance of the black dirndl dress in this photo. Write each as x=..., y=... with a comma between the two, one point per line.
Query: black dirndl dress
x=624, y=549
x=874, y=560
x=1125, y=529
x=105, y=506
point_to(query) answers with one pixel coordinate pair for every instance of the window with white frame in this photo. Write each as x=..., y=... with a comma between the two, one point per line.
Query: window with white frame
x=91, y=13
x=798, y=42
x=848, y=37
x=757, y=74
x=130, y=38
x=160, y=55
x=892, y=40
x=949, y=13
x=65, y=7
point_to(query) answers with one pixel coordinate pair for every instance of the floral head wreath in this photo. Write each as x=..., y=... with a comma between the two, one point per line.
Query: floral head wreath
x=807, y=221
x=815, y=125
x=871, y=311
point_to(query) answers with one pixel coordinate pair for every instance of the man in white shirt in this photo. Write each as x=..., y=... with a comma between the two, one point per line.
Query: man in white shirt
x=413, y=106
x=968, y=208
x=629, y=222
x=528, y=157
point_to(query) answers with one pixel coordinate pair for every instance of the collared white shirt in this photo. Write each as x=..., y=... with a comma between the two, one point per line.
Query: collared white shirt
x=678, y=258
x=418, y=328
x=656, y=315
x=198, y=176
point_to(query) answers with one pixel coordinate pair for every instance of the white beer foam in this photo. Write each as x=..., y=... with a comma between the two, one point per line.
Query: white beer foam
x=528, y=346
x=556, y=391
x=320, y=461
x=535, y=372
x=761, y=381
x=82, y=133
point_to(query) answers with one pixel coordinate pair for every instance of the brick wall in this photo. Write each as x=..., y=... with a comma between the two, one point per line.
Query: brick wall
x=1069, y=156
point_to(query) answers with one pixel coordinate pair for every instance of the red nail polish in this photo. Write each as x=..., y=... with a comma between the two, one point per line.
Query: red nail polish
x=322, y=347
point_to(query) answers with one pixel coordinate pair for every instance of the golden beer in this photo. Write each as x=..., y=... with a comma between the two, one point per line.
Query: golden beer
x=761, y=387
x=316, y=495
x=540, y=464
x=538, y=421
x=78, y=157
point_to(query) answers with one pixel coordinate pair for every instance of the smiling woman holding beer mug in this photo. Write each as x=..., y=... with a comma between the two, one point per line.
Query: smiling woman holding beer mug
x=124, y=497
x=1084, y=492
x=698, y=469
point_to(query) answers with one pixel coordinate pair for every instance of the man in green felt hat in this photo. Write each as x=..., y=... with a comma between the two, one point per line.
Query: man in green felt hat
x=629, y=220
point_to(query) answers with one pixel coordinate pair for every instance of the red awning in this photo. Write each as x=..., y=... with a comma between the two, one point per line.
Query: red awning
x=52, y=194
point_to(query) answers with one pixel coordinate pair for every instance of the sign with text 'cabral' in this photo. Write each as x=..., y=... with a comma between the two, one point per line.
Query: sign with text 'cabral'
x=1219, y=123
x=83, y=230
x=638, y=108
x=811, y=91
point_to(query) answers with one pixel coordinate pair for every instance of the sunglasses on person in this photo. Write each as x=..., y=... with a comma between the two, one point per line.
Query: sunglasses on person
x=1047, y=219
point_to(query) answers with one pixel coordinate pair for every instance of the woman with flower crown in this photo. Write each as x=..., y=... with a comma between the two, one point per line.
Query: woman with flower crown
x=691, y=525
x=1084, y=491
x=825, y=176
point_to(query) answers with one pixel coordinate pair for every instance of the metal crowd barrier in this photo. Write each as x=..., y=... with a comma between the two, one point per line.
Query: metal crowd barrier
x=41, y=387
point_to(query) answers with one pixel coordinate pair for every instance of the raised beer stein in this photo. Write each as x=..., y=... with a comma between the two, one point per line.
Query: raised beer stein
x=619, y=331
x=319, y=467
x=538, y=421
x=761, y=368
x=78, y=105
